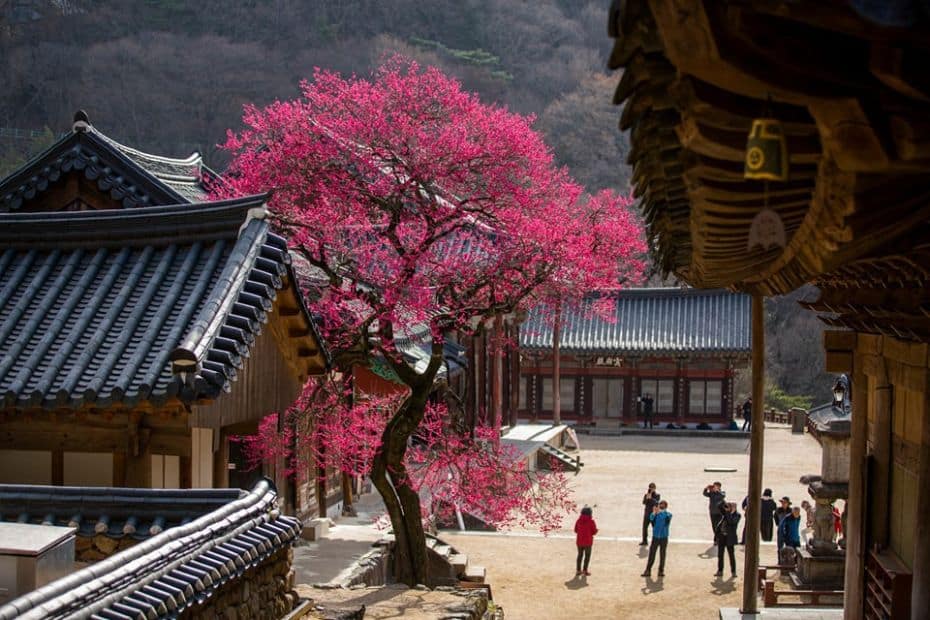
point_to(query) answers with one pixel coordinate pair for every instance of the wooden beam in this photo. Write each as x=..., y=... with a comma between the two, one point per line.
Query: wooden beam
x=750, y=603
x=856, y=548
x=920, y=594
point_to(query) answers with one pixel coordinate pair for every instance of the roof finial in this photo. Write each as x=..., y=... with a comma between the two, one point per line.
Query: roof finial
x=81, y=122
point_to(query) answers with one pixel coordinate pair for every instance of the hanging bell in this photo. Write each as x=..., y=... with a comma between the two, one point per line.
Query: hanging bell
x=766, y=231
x=766, y=151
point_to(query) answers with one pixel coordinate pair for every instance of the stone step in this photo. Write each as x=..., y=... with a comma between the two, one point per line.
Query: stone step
x=476, y=574
x=444, y=551
x=458, y=561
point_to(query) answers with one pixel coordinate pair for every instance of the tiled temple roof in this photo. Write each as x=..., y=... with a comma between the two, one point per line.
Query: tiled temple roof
x=668, y=321
x=163, y=576
x=134, y=178
x=105, y=307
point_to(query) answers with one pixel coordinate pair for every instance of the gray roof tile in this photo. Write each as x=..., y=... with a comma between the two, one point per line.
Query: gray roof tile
x=666, y=321
x=95, y=305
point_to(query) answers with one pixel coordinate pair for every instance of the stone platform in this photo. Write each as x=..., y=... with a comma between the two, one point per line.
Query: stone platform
x=793, y=613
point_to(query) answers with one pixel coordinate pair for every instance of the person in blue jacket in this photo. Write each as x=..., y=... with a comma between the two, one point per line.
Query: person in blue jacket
x=660, y=518
x=789, y=530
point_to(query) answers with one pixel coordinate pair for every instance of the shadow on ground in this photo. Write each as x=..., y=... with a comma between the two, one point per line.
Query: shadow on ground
x=708, y=554
x=652, y=586
x=722, y=587
x=577, y=582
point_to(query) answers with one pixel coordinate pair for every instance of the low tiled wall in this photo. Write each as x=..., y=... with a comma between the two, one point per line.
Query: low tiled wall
x=264, y=592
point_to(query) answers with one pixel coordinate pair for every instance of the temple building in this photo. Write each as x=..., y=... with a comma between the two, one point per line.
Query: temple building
x=142, y=326
x=776, y=144
x=680, y=346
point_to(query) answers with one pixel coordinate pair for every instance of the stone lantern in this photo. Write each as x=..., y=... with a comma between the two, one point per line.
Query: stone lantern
x=821, y=561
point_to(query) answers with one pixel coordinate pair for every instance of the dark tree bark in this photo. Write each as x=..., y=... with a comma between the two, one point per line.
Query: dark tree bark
x=389, y=475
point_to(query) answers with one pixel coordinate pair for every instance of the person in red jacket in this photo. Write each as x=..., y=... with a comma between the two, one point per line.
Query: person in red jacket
x=585, y=529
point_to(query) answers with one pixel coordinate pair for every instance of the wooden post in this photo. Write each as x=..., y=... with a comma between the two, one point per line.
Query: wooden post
x=880, y=475
x=556, y=370
x=515, y=384
x=920, y=594
x=497, y=370
x=855, y=503
x=471, y=385
x=757, y=444
x=481, y=376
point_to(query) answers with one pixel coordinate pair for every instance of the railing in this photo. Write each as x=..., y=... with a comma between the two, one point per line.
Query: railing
x=779, y=417
x=804, y=598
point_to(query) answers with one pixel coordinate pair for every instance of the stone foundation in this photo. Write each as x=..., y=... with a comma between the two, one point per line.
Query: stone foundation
x=265, y=592
x=820, y=572
x=89, y=549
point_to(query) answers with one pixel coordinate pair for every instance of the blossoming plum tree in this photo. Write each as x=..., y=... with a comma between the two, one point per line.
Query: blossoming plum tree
x=415, y=203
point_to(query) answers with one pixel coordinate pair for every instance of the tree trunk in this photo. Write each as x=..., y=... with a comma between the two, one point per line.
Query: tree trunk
x=389, y=476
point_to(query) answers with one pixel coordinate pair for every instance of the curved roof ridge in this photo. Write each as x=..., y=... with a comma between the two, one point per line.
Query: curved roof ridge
x=191, y=159
x=158, y=225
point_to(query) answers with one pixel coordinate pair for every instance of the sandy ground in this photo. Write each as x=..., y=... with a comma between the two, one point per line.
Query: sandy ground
x=533, y=576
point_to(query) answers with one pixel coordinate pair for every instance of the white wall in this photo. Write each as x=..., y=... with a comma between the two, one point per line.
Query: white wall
x=166, y=471
x=25, y=467
x=202, y=458
x=88, y=469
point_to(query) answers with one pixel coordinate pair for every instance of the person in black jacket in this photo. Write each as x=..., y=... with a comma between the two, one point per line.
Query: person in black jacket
x=650, y=499
x=726, y=538
x=767, y=513
x=647, y=411
x=715, y=499
x=747, y=414
x=783, y=510
x=767, y=520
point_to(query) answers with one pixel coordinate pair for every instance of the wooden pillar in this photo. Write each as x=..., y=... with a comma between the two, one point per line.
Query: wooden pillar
x=58, y=469
x=629, y=408
x=515, y=384
x=920, y=593
x=880, y=482
x=757, y=443
x=556, y=367
x=854, y=534
x=681, y=393
x=481, y=377
x=497, y=373
x=471, y=385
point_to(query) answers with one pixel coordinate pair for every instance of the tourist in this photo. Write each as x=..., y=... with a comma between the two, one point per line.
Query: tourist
x=660, y=518
x=715, y=499
x=585, y=529
x=726, y=537
x=647, y=411
x=766, y=514
x=783, y=510
x=837, y=523
x=789, y=529
x=809, y=514
x=747, y=414
x=650, y=501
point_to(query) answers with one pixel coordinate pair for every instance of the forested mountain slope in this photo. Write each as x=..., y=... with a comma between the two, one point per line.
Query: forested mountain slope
x=171, y=76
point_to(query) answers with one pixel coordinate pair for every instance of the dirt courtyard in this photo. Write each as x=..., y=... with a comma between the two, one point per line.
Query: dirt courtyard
x=533, y=577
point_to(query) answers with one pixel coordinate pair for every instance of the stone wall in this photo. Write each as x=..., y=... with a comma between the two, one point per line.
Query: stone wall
x=265, y=592
x=91, y=549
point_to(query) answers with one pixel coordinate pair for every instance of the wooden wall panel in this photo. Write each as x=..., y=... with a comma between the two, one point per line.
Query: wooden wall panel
x=265, y=383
